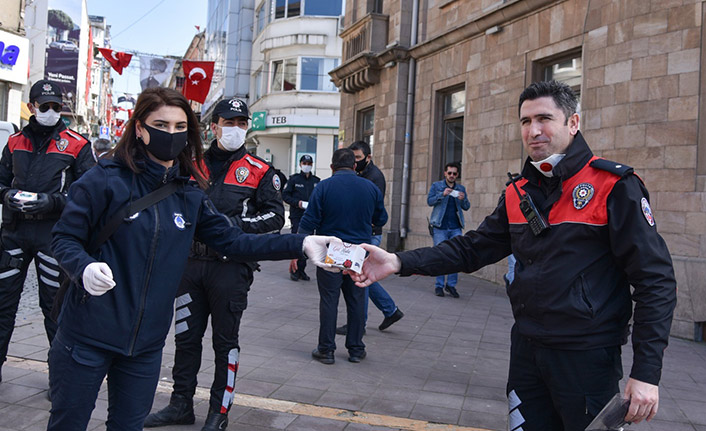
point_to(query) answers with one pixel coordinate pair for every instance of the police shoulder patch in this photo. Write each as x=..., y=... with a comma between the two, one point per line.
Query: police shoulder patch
x=241, y=174
x=618, y=169
x=62, y=144
x=179, y=221
x=647, y=211
x=276, y=183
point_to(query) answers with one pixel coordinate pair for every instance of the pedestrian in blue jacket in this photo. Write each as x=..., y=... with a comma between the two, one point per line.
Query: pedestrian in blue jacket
x=117, y=312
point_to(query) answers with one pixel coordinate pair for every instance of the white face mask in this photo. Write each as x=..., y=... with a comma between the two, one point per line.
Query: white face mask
x=49, y=118
x=232, y=138
x=306, y=168
x=547, y=165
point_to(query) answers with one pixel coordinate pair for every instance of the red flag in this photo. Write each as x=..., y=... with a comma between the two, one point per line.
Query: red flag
x=119, y=60
x=197, y=79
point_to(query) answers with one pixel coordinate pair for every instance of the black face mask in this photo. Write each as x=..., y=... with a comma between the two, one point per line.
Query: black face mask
x=361, y=164
x=164, y=145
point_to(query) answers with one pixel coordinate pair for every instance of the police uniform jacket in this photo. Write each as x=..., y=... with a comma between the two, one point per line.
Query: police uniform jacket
x=146, y=254
x=373, y=173
x=299, y=188
x=572, y=283
x=247, y=190
x=43, y=160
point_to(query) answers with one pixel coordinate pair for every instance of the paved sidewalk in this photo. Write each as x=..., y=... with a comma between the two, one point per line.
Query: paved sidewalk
x=445, y=362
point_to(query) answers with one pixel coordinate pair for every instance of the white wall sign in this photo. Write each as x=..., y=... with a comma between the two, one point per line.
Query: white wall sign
x=291, y=120
x=14, y=58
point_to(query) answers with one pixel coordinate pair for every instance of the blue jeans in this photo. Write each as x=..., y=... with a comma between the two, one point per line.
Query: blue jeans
x=377, y=294
x=76, y=371
x=441, y=235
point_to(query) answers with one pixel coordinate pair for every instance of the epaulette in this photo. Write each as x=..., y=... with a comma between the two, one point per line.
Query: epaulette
x=256, y=161
x=613, y=167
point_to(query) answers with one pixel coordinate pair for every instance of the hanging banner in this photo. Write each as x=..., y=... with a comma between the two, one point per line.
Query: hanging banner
x=154, y=71
x=63, y=36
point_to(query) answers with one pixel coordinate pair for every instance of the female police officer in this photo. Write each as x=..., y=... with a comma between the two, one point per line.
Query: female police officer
x=117, y=313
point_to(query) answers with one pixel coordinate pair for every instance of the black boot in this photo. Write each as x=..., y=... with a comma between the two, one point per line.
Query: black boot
x=179, y=411
x=215, y=422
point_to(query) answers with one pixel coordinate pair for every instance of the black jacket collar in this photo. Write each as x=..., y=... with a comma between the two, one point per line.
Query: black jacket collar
x=577, y=155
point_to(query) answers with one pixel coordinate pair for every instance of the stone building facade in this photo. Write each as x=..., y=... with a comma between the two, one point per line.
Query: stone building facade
x=637, y=64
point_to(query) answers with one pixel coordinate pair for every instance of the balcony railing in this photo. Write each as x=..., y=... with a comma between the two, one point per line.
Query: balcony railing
x=368, y=34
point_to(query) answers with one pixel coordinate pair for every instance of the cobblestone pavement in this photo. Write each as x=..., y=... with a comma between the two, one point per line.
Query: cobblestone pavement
x=443, y=366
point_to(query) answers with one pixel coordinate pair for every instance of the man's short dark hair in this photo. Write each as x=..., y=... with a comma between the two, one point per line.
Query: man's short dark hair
x=361, y=146
x=562, y=94
x=343, y=158
x=101, y=144
x=456, y=165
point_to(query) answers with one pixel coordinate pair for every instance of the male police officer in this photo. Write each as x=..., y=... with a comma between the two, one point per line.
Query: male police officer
x=583, y=232
x=37, y=167
x=296, y=193
x=244, y=188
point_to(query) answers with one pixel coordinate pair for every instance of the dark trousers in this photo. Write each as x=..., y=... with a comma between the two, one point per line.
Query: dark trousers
x=27, y=241
x=76, y=371
x=301, y=263
x=559, y=390
x=331, y=284
x=219, y=289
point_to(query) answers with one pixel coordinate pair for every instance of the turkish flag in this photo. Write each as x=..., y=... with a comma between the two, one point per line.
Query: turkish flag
x=197, y=79
x=119, y=60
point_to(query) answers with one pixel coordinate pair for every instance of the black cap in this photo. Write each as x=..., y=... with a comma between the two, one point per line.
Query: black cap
x=306, y=158
x=45, y=91
x=231, y=108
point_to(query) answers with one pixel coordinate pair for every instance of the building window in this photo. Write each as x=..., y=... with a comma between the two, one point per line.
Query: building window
x=366, y=126
x=454, y=106
x=305, y=144
x=322, y=7
x=314, y=73
x=261, y=14
x=287, y=8
x=566, y=68
x=284, y=75
x=258, y=84
x=375, y=6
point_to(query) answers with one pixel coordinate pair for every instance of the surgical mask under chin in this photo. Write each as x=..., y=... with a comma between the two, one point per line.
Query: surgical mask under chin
x=164, y=145
x=232, y=138
x=546, y=166
x=49, y=118
x=306, y=168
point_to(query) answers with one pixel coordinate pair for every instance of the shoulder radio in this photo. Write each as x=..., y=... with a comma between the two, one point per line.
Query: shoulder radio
x=534, y=218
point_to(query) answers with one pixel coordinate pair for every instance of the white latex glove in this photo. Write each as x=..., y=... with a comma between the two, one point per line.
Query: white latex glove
x=98, y=278
x=315, y=248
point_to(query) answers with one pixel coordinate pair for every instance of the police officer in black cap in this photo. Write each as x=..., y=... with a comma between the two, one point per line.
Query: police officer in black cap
x=296, y=193
x=37, y=167
x=244, y=188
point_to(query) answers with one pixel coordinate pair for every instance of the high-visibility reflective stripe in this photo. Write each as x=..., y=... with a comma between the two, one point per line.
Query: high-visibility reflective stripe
x=9, y=273
x=180, y=327
x=46, y=258
x=182, y=300
x=182, y=313
x=513, y=400
x=14, y=251
x=515, y=419
x=230, y=383
x=49, y=282
x=48, y=270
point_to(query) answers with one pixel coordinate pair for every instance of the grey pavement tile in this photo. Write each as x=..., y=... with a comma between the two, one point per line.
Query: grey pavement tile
x=485, y=392
x=33, y=380
x=342, y=400
x=254, y=387
x=445, y=387
x=397, y=393
x=441, y=400
x=298, y=394
x=266, y=418
x=485, y=405
x=694, y=411
x=9, y=373
x=38, y=401
x=435, y=414
x=12, y=393
x=18, y=417
x=365, y=427
x=22, y=350
x=271, y=375
x=399, y=408
x=483, y=420
x=308, y=423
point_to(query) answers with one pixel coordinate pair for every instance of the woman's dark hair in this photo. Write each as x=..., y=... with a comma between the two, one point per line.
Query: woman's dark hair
x=130, y=148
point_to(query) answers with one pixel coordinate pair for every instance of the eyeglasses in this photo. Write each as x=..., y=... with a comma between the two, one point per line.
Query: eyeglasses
x=46, y=106
x=452, y=173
